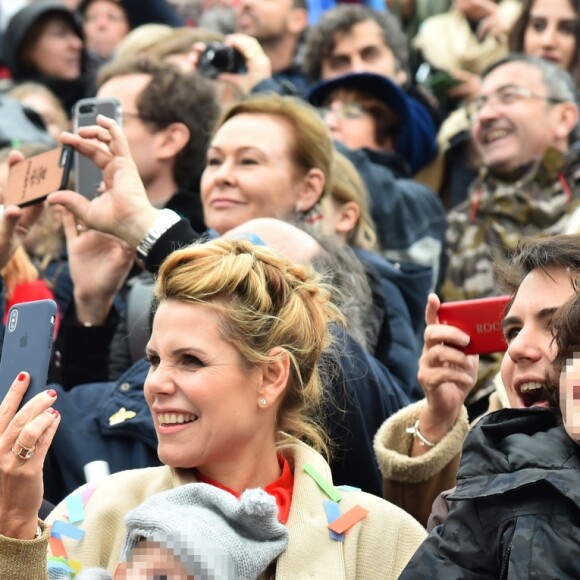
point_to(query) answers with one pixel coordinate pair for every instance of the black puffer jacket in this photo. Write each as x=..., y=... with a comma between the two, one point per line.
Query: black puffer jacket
x=516, y=510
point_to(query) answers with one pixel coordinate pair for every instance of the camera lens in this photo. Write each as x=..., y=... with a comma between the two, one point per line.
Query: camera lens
x=218, y=58
x=13, y=320
x=85, y=109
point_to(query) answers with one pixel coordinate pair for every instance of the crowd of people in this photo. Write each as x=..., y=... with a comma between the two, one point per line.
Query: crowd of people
x=248, y=333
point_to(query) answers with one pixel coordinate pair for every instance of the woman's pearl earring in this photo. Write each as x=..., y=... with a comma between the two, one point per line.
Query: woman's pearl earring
x=263, y=402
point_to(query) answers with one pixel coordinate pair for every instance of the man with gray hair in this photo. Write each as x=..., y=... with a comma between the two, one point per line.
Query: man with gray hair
x=522, y=124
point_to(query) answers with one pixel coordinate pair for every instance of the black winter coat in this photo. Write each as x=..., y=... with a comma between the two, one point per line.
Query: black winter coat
x=516, y=510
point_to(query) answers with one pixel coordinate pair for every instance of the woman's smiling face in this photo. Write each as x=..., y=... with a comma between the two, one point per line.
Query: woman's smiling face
x=203, y=397
x=250, y=173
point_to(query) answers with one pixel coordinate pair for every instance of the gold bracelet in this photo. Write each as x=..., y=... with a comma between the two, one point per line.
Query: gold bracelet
x=414, y=431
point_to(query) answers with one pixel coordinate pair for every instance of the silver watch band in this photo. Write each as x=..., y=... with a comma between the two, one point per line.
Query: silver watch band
x=166, y=219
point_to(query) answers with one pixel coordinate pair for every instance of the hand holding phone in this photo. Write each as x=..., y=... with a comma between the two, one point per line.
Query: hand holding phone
x=481, y=319
x=125, y=210
x=31, y=180
x=446, y=374
x=25, y=438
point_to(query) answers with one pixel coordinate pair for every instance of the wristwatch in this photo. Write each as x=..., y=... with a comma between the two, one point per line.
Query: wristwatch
x=167, y=218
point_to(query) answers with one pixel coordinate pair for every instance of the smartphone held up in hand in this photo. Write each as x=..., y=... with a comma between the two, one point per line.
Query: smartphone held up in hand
x=87, y=175
x=481, y=319
x=31, y=180
x=28, y=339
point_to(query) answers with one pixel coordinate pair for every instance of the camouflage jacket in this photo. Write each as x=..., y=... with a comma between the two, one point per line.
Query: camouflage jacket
x=516, y=510
x=497, y=215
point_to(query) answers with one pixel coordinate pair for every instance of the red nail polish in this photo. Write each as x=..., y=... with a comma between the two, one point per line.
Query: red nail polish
x=21, y=376
x=51, y=393
x=55, y=413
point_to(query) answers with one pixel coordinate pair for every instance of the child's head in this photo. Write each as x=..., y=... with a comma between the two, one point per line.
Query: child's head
x=157, y=559
x=570, y=395
x=567, y=336
x=199, y=531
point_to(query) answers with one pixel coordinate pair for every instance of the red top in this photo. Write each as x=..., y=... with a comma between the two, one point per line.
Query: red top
x=280, y=489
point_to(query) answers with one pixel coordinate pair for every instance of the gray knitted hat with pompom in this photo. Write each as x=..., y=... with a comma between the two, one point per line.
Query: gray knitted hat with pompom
x=213, y=534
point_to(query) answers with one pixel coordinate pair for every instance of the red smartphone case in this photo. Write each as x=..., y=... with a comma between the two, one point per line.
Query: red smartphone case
x=481, y=318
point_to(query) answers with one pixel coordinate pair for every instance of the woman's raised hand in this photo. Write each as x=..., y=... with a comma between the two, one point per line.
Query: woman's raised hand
x=25, y=436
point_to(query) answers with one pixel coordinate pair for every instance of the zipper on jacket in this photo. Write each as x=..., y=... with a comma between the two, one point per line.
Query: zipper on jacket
x=505, y=564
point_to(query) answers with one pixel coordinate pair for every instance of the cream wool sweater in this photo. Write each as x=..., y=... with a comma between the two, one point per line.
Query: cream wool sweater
x=379, y=546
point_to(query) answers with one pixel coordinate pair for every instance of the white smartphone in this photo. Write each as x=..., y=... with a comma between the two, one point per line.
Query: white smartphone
x=87, y=175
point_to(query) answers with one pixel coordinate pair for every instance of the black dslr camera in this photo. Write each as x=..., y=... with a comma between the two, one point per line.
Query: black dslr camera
x=218, y=58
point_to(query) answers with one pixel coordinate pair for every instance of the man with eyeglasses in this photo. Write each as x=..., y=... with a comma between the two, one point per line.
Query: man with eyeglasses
x=167, y=119
x=523, y=125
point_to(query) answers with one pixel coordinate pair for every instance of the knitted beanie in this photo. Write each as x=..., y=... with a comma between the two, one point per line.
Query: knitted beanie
x=213, y=534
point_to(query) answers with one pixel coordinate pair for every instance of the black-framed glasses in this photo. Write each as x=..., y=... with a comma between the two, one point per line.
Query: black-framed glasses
x=504, y=97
